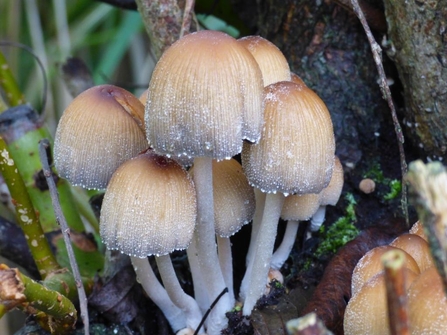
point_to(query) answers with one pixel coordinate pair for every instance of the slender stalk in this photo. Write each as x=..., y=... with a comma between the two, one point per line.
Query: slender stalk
x=226, y=264
x=206, y=244
x=260, y=202
x=26, y=215
x=13, y=95
x=396, y=293
x=265, y=241
x=282, y=253
x=18, y=289
x=377, y=55
x=198, y=281
x=157, y=293
x=183, y=301
x=60, y=218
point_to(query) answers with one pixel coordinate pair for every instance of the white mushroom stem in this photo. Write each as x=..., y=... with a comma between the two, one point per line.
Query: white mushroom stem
x=258, y=277
x=260, y=201
x=226, y=264
x=206, y=245
x=282, y=253
x=317, y=219
x=185, y=302
x=157, y=293
x=200, y=294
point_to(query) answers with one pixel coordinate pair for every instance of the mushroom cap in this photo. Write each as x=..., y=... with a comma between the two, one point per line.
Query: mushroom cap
x=367, y=185
x=149, y=207
x=331, y=193
x=100, y=129
x=417, y=247
x=234, y=198
x=367, y=311
x=418, y=229
x=273, y=63
x=370, y=264
x=427, y=304
x=300, y=207
x=297, y=147
x=296, y=79
x=205, y=97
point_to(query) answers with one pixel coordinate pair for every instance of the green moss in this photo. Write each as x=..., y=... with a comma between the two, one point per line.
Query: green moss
x=396, y=189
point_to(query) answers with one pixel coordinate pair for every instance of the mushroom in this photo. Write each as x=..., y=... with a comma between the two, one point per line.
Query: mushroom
x=370, y=264
x=367, y=311
x=294, y=156
x=417, y=247
x=418, y=229
x=205, y=97
x=149, y=208
x=100, y=129
x=272, y=62
x=427, y=304
x=329, y=196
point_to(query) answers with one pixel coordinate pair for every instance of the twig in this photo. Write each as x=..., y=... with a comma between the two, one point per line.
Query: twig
x=186, y=23
x=386, y=93
x=395, y=281
x=428, y=193
x=60, y=218
x=205, y=316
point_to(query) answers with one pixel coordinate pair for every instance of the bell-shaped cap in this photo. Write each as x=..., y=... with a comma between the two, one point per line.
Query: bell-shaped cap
x=100, y=129
x=297, y=146
x=331, y=193
x=205, y=97
x=273, y=63
x=300, y=207
x=149, y=207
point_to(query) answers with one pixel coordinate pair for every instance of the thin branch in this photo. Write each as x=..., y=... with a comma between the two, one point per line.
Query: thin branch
x=43, y=145
x=186, y=23
x=386, y=93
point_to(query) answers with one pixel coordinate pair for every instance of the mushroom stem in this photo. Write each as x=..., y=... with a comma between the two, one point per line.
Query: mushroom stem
x=317, y=219
x=260, y=201
x=226, y=264
x=282, y=253
x=175, y=292
x=157, y=293
x=200, y=294
x=206, y=244
x=258, y=277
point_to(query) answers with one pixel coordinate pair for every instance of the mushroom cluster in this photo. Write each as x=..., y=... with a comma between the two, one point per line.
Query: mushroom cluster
x=366, y=312
x=210, y=98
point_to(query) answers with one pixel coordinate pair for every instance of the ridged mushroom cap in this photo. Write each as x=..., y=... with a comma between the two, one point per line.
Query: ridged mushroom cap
x=296, y=79
x=367, y=311
x=100, y=129
x=205, y=97
x=149, y=207
x=297, y=146
x=273, y=63
x=370, y=264
x=331, y=193
x=417, y=247
x=234, y=198
x=300, y=207
x=427, y=304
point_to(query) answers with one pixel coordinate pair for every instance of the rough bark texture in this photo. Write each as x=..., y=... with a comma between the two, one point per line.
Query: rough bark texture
x=417, y=32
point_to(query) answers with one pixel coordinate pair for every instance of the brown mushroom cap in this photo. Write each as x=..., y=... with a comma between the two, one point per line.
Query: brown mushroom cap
x=418, y=229
x=417, y=247
x=296, y=79
x=205, y=97
x=370, y=264
x=300, y=207
x=273, y=63
x=99, y=130
x=149, y=207
x=331, y=193
x=367, y=311
x=427, y=304
x=297, y=147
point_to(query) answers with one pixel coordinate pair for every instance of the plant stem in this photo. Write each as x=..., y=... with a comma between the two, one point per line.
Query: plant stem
x=16, y=288
x=26, y=215
x=13, y=94
x=60, y=218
